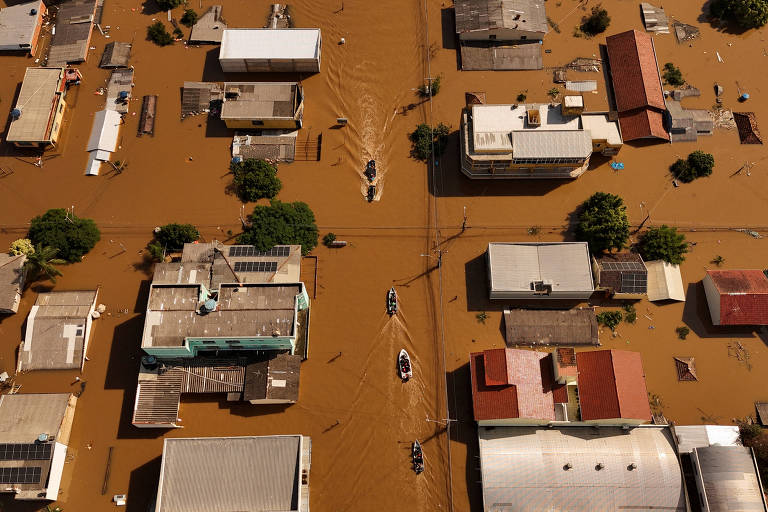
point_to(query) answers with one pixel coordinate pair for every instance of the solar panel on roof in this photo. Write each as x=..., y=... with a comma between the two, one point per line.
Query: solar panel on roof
x=25, y=475
x=623, y=266
x=634, y=282
x=36, y=451
x=255, y=266
x=241, y=251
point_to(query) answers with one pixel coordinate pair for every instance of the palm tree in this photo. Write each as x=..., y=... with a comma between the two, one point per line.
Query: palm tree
x=41, y=262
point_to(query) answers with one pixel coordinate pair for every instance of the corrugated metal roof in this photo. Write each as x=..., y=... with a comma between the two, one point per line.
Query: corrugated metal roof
x=259, y=43
x=524, y=469
x=551, y=327
x=482, y=15
x=551, y=144
x=700, y=436
x=11, y=281
x=743, y=296
x=664, y=281
x=225, y=474
x=730, y=478
x=74, y=23
x=105, y=131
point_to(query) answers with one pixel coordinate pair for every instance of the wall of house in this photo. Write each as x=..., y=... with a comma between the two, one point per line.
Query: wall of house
x=58, y=119
x=270, y=65
x=575, y=294
x=38, y=27
x=503, y=34
x=192, y=346
x=713, y=299
x=516, y=422
x=601, y=146
x=263, y=124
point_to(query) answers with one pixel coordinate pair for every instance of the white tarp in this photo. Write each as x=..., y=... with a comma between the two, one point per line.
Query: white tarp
x=105, y=130
x=664, y=281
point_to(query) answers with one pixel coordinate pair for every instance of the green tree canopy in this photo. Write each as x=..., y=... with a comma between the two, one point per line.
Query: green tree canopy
x=423, y=139
x=697, y=164
x=672, y=74
x=71, y=235
x=596, y=22
x=281, y=224
x=603, y=223
x=166, y=5
x=255, y=179
x=157, y=33
x=745, y=13
x=174, y=236
x=190, y=17
x=40, y=262
x=663, y=243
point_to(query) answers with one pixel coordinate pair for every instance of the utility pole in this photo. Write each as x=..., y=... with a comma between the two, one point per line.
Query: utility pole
x=464, y=222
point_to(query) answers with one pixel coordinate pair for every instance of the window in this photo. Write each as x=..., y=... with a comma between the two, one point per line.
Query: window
x=233, y=342
x=208, y=342
x=523, y=37
x=257, y=123
x=492, y=37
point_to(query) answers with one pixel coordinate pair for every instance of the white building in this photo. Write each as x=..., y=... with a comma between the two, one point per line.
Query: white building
x=263, y=50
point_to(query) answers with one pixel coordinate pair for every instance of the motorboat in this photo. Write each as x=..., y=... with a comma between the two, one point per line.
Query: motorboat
x=404, y=367
x=391, y=301
x=371, y=193
x=417, y=457
x=370, y=170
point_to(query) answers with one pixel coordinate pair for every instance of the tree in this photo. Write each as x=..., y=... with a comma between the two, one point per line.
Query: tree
x=682, y=332
x=610, y=319
x=745, y=13
x=157, y=34
x=190, y=17
x=173, y=236
x=424, y=139
x=663, y=243
x=255, y=179
x=41, y=263
x=673, y=75
x=177, y=33
x=71, y=235
x=167, y=5
x=21, y=246
x=603, y=222
x=328, y=239
x=281, y=224
x=596, y=22
x=697, y=164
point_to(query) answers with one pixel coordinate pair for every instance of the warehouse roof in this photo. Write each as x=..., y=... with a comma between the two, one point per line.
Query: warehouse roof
x=263, y=43
x=730, y=478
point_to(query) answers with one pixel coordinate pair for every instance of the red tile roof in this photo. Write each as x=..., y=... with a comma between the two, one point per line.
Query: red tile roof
x=634, y=71
x=490, y=403
x=743, y=296
x=642, y=123
x=611, y=385
x=495, y=367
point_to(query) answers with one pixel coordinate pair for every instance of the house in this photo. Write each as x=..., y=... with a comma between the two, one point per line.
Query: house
x=254, y=473
x=264, y=50
x=545, y=270
x=664, y=281
x=576, y=326
x=72, y=37
x=58, y=331
x=623, y=275
x=209, y=27
x=500, y=20
x=116, y=55
x=20, y=26
x=579, y=469
x=225, y=319
x=637, y=88
x=532, y=141
x=737, y=297
x=37, y=117
x=103, y=139
x=523, y=387
x=11, y=282
x=687, y=123
x=34, y=434
x=274, y=146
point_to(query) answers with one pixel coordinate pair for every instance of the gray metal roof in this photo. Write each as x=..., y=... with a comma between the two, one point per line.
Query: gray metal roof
x=551, y=144
x=701, y=436
x=228, y=474
x=524, y=469
x=261, y=100
x=11, y=281
x=551, y=327
x=730, y=478
x=481, y=15
x=74, y=23
x=18, y=24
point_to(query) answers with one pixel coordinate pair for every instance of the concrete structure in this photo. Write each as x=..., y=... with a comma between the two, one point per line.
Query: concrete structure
x=209, y=28
x=532, y=141
x=266, y=105
x=74, y=25
x=120, y=90
x=546, y=270
x=37, y=116
x=522, y=387
x=34, y=434
x=259, y=474
x=116, y=55
x=688, y=124
x=580, y=469
x=272, y=145
x=622, y=275
x=11, y=282
x=58, y=331
x=258, y=50
x=103, y=139
x=737, y=297
x=637, y=86
x=664, y=281
x=20, y=26
x=500, y=20
x=576, y=326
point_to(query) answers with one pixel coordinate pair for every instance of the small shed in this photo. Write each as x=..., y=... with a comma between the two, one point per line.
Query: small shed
x=664, y=281
x=116, y=55
x=686, y=369
x=259, y=50
x=103, y=139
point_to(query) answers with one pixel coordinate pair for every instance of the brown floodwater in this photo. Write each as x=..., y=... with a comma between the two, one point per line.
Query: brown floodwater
x=362, y=462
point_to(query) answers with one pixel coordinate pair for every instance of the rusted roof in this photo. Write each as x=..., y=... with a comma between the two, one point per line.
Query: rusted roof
x=746, y=124
x=642, y=123
x=686, y=369
x=612, y=385
x=551, y=327
x=743, y=296
x=634, y=71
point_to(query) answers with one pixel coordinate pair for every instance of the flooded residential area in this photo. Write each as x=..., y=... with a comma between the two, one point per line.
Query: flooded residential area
x=483, y=331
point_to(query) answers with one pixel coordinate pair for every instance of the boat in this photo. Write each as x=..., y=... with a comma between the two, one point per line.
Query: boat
x=404, y=367
x=391, y=301
x=370, y=170
x=371, y=193
x=417, y=457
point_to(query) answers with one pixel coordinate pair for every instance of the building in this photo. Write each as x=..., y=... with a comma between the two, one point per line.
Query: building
x=664, y=281
x=275, y=147
x=37, y=117
x=209, y=28
x=687, y=123
x=34, y=434
x=11, y=282
x=259, y=474
x=637, y=88
x=532, y=141
x=546, y=270
x=622, y=275
x=20, y=26
x=737, y=297
x=576, y=326
x=103, y=139
x=500, y=20
x=58, y=331
x=523, y=387
x=72, y=37
x=263, y=50
x=580, y=469
x=116, y=55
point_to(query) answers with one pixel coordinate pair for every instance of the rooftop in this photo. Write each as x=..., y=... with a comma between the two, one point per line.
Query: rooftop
x=209, y=27
x=743, y=296
x=37, y=100
x=516, y=266
x=730, y=478
x=622, y=272
x=273, y=379
x=551, y=327
x=74, y=23
x=700, y=436
x=279, y=148
x=57, y=331
x=18, y=26
x=525, y=469
x=642, y=123
x=634, y=71
x=483, y=15
x=116, y=55
x=261, y=100
x=260, y=43
x=11, y=281
x=664, y=281
x=222, y=474
x=23, y=417
x=601, y=128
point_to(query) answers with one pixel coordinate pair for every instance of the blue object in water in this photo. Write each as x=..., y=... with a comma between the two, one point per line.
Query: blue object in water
x=617, y=166
x=744, y=97
x=236, y=160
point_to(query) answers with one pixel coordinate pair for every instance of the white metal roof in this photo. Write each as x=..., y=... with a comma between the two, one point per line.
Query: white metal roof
x=700, y=436
x=514, y=266
x=18, y=24
x=551, y=144
x=262, y=43
x=664, y=281
x=601, y=128
x=524, y=469
x=104, y=132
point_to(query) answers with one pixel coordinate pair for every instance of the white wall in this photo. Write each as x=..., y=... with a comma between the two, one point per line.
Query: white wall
x=713, y=299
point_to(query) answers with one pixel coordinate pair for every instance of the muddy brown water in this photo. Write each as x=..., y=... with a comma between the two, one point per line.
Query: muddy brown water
x=362, y=462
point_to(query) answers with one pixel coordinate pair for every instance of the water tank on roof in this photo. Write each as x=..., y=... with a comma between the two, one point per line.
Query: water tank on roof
x=149, y=362
x=208, y=306
x=33, y=12
x=15, y=113
x=42, y=438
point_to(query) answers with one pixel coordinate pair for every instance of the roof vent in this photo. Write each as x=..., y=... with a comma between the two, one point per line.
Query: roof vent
x=599, y=466
x=15, y=113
